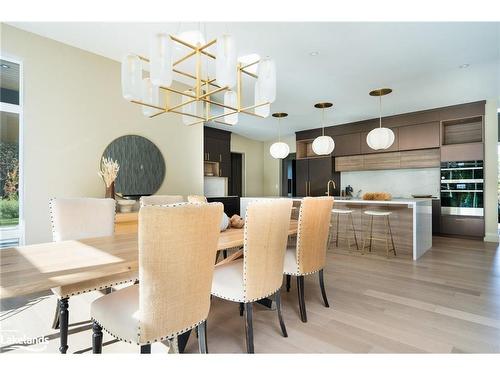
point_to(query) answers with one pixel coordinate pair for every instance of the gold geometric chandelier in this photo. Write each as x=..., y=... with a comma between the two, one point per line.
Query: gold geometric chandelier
x=197, y=102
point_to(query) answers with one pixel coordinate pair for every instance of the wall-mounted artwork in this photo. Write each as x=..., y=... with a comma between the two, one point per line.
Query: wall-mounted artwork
x=142, y=167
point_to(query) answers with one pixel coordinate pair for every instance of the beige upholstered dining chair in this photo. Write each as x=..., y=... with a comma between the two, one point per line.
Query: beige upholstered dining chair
x=260, y=273
x=308, y=255
x=177, y=244
x=74, y=219
x=160, y=199
x=197, y=199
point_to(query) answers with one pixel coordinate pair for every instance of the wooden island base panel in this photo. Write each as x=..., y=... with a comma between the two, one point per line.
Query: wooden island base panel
x=411, y=224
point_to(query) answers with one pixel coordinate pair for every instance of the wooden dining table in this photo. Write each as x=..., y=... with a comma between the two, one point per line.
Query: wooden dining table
x=36, y=268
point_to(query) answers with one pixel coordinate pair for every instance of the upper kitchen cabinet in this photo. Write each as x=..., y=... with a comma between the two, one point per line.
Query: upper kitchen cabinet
x=415, y=137
x=462, y=139
x=365, y=149
x=347, y=144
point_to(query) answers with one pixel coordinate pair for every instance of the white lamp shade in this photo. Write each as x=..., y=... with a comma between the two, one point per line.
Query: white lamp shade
x=279, y=150
x=188, y=108
x=131, y=77
x=323, y=145
x=380, y=138
x=263, y=110
x=150, y=95
x=225, y=62
x=160, y=60
x=231, y=100
x=267, y=80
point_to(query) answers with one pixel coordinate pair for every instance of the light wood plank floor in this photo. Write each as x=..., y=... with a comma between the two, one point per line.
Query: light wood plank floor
x=446, y=302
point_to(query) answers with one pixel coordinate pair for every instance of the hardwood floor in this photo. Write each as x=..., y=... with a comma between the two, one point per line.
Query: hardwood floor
x=446, y=302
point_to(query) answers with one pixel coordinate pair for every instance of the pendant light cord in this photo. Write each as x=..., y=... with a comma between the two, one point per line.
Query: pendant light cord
x=279, y=129
x=380, y=110
x=323, y=121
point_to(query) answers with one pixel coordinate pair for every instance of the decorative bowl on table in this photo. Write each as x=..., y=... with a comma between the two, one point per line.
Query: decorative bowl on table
x=125, y=205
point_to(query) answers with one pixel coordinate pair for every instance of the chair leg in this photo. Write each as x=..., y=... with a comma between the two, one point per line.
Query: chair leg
x=63, y=324
x=392, y=238
x=249, y=327
x=302, y=301
x=96, y=338
x=224, y=252
x=280, y=316
x=288, y=282
x=55, y=323
x=146, y=349
x=202, y=337
x=322, y=286
x=242, y=308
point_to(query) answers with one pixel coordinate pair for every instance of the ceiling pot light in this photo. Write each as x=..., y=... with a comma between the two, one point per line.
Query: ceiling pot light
x=314, y=53
x=463, y=66
x=279, y=150
x=5, y=66
x=324, y=144
x=380, y=138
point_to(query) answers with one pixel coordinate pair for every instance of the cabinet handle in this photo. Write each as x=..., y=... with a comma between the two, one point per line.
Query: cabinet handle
x=309, y=188
x=220, y=172
x=220, y=157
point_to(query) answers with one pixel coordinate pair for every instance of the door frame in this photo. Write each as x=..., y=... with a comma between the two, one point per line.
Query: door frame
x=18, y=109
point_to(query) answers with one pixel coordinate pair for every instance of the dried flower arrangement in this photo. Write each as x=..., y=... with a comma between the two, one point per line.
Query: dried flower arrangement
x=108, y=170
x=377, y=196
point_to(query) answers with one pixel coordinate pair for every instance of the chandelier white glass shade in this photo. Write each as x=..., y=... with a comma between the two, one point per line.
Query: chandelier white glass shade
x=131, y=77
x=267, y=80
x=279, y=150
x=380, y=138
x=225, y=61
x=189, y=107
x=324, y=144
x=160, y=63
x=263, y=110
x=230, y=100
x=170, y=58
x=150, y=95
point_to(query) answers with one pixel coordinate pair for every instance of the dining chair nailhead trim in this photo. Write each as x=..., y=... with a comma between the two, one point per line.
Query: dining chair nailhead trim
x=244, y=299
x=101, y=287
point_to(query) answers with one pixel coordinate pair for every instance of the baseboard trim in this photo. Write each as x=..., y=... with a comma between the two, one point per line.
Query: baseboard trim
x=491, y=237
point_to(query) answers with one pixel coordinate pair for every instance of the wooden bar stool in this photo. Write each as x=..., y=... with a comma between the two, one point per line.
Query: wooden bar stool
x=388, y=232
x=348, y=214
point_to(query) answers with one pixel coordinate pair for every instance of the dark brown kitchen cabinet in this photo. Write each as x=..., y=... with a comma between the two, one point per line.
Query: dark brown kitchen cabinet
x=347, y=144
x=312, y=176
x=420, y=136
x=217, y=149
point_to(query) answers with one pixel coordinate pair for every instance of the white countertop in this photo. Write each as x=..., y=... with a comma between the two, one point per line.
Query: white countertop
x=395, y=201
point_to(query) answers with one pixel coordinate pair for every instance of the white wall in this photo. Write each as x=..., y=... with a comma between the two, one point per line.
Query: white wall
x=398, y=182
x=72, y=110
x=491, y=170
x=253, y=167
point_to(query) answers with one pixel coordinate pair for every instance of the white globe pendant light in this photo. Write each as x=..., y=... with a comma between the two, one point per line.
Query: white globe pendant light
x=380, y=138
x=150, y=95
x=231, y=100
x=267, y=80
x=263, y=110
x=279, y=150
x=131, y=72
x=225, y=61
x=160, y=60
x=324, y=144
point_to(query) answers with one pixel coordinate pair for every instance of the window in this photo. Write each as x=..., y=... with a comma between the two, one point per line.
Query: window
x=11, y=220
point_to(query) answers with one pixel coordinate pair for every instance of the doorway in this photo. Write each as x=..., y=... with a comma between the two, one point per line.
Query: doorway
x=288, y=188
x=236, y=176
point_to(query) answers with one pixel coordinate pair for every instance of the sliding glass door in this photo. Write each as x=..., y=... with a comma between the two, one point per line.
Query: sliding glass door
x=11, y=218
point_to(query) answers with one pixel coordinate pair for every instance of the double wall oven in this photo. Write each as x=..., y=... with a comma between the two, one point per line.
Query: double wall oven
x=462, y=188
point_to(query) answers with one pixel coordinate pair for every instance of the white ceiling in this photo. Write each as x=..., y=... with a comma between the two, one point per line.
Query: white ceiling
x=419, y=61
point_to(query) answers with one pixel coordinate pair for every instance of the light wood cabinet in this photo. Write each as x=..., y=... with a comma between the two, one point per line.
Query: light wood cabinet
x=420, y=136
x=389, y=160
x=420, y=158
x=459, y=152
x=349, y=163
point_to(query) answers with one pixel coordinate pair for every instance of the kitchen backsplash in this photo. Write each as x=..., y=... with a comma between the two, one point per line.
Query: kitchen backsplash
x=400, y=183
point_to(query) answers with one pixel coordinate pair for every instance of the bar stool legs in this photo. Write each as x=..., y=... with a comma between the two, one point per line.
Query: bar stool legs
x=387, y=235
x=349, y=226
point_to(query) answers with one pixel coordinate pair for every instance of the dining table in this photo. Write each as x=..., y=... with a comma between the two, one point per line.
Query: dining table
x=40, y=267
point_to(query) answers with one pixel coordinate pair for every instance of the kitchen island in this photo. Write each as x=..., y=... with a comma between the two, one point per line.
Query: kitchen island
x=411, y=222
